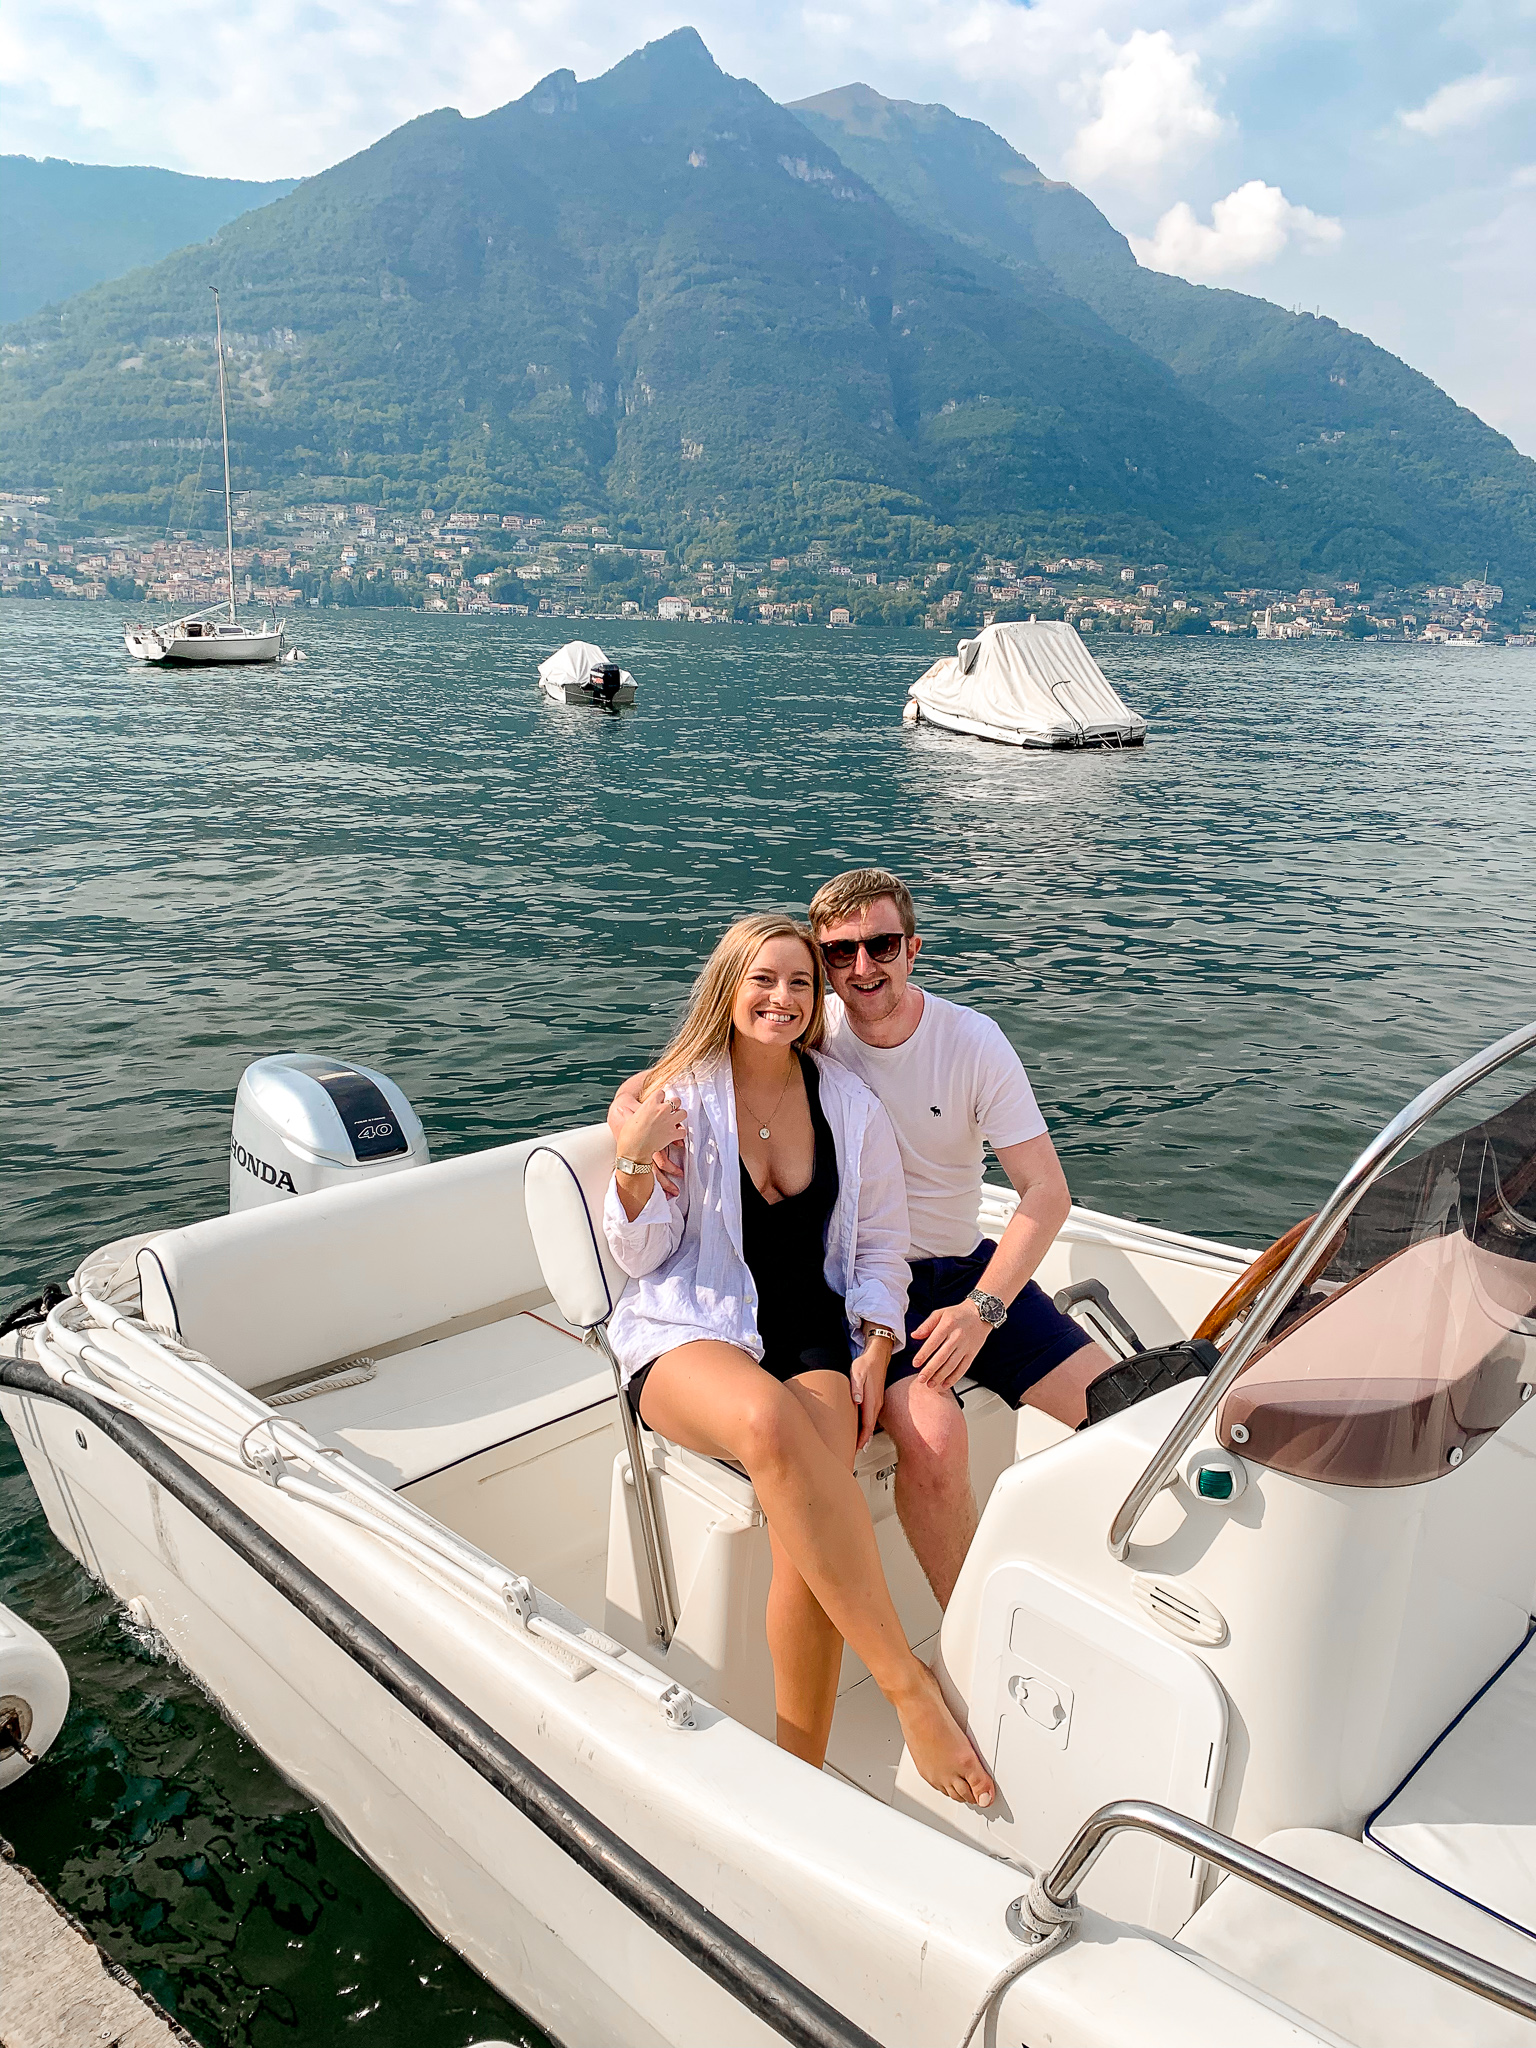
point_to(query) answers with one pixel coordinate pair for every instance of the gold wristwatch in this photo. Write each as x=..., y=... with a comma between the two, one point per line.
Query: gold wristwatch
x=635, y=1167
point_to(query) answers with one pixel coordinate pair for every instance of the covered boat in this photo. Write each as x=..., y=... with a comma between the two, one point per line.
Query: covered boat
x=1033, y=685
x=1250, y=1657
x=580, y=673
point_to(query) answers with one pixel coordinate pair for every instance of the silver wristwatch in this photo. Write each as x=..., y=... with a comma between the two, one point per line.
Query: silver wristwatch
x=992, y=1310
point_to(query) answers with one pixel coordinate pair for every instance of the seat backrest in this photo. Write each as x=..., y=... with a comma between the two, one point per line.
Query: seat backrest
x=300, y=1284
x=565, y=1220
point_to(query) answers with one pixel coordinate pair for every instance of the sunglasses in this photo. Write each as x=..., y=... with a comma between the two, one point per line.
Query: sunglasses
x=880, y=946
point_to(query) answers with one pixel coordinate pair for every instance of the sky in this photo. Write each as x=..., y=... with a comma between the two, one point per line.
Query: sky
x=1374, y=159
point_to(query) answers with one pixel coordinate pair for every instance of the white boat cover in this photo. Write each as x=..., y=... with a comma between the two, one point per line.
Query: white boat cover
x=574, y=663
x=1035, y=685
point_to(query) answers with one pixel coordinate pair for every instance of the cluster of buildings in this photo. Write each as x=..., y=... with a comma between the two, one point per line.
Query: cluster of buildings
x=332, y=552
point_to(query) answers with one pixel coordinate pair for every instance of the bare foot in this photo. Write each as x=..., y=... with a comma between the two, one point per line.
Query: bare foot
x=939, y=1746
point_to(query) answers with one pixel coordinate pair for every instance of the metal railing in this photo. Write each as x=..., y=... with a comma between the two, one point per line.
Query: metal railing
x=1056, y=1892
x=1372, y=1162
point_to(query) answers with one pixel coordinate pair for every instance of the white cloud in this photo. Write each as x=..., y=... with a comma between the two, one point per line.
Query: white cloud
x=1252, y=225
x=281, y=87
x=1461, y=103
x=1152, y=108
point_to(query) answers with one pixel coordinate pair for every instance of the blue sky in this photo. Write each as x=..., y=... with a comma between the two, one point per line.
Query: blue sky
x=1376, y=160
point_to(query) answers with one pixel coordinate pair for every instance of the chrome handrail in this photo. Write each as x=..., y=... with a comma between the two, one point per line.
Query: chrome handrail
x=1057, y=1890
x=1372, y=1162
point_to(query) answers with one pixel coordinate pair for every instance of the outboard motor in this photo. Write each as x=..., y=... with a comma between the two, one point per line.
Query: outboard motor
x=602, y=686
x=304, y=1120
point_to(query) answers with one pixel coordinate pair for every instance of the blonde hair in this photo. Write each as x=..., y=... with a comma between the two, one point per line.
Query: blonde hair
x=854, y=890
x=705, y=1032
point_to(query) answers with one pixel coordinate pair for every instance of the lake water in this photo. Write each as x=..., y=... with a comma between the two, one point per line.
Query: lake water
x=1226, y=959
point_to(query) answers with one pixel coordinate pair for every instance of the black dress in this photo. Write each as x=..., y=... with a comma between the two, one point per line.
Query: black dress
x=803, y=1324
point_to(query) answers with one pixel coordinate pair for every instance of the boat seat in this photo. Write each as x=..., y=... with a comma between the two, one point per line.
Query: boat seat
x=1359, y=1992
x=1465, y=1816
x=437, y=1403
x=297, y=1286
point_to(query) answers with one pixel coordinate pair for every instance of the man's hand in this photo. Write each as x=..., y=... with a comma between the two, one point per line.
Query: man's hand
x=948, y=1342
x=867, y=1374
x=621, y=1111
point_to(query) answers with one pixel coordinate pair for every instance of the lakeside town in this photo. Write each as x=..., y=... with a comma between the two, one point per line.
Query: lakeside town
x=340, y=554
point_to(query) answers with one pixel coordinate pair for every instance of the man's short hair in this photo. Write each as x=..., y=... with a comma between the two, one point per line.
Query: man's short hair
x=849, y=893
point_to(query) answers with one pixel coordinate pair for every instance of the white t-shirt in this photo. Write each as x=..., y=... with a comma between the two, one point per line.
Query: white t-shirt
x=953, y=1084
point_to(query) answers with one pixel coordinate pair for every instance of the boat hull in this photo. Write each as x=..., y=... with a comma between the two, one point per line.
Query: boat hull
x=482, y=1875
x=171, y=645
x=1074, y=741
x=484, y=1878
x=573, y=693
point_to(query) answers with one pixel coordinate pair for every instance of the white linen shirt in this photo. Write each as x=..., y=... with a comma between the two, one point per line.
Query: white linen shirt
x=689, y=1274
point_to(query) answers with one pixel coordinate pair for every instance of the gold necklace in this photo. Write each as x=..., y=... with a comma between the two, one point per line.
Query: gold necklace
x=762, y=1130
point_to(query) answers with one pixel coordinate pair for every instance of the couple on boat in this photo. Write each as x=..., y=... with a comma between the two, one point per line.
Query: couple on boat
x=796, y=1202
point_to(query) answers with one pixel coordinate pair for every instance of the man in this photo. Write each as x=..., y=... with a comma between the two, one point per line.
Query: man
x=951, y=1083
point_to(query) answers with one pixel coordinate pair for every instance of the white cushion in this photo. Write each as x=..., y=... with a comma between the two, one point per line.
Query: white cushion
x=1465, y=1817
x=565, y=1218
x=279, y=1290
x=428, y=1409
x=1350, y=1986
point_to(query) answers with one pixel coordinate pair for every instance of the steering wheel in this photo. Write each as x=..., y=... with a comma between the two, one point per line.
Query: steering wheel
x=1246, y=1288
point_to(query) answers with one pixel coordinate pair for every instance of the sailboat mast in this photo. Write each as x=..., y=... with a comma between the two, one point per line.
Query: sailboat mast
x=229, y=523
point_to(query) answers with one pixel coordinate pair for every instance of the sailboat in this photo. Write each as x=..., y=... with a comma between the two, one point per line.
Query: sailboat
x=197, y=637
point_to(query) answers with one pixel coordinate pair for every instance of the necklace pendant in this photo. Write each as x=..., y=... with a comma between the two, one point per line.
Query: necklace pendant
x=763, y=1131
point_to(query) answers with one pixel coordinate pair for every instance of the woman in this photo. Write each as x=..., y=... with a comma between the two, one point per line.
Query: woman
x=761, y=1314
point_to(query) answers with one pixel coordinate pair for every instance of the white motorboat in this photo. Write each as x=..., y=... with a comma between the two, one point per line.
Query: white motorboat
x=580, y=673
x=198, y=638
x=1028, y=684
x=1248, y=1656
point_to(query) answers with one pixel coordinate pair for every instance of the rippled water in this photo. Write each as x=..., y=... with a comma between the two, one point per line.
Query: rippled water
x=1226, y=960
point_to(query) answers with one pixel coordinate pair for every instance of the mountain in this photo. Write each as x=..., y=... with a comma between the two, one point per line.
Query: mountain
x=661, y=297
x=1397, y=474
x=652, y=293
x=69, y=226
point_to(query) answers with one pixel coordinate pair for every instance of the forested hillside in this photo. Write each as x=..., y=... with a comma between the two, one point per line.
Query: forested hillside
x=658, y=296
x=69, y=226
x=1383, y=470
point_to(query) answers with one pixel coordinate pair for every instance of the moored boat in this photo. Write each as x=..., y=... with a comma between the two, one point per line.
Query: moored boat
x=1030, y=684
x=1247, y=1656
x=197, y=638
x=580, y=673
x=203, y=640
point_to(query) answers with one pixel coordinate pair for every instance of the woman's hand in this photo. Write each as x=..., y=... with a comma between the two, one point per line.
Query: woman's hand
x=867, y=1376
x=621, y=1112
x=656, y=1124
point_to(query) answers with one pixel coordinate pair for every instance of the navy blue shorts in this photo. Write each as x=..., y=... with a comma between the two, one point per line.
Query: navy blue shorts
x=1035, y=1338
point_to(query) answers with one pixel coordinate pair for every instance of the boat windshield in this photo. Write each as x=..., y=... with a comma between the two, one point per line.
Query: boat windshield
x=1418, y=1338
